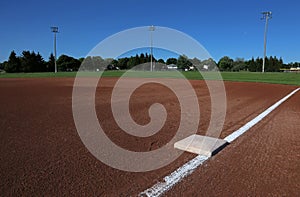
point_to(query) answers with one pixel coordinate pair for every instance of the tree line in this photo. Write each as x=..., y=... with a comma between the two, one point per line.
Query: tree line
x=29, y=61
x=272, y=64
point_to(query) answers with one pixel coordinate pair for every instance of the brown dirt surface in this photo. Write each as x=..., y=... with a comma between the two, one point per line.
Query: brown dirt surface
x=41, y=152
x=265, y=161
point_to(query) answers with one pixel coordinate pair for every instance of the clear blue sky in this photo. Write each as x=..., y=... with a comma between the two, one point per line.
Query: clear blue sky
x=231, y=27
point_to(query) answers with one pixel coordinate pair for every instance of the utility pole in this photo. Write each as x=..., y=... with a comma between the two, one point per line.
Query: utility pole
x=151, y=29
x=55, y=30
x=266, y=16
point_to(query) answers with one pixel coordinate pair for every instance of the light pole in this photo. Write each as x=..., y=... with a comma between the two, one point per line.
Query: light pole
x=151, y=29
x=266, y=16
x=55, y=30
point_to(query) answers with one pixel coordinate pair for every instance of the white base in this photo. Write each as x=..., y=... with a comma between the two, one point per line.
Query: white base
x=201, y=145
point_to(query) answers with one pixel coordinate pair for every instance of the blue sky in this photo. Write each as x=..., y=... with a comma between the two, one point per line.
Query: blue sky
x=231, y=27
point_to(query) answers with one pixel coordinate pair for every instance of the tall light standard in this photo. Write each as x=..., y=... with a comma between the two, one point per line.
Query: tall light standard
x=55, y=30
x=151, y=29
x=266, y=16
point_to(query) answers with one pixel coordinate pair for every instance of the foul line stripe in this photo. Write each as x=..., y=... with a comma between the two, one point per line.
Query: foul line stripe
x=253, y=122
x=175, y=177
x=189, y=167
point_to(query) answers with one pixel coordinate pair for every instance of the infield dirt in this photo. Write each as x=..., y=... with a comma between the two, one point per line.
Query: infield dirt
x=41, y=152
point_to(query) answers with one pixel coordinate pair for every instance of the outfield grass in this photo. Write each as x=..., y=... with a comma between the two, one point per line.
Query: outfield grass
x=37, y=75
x=277, y=78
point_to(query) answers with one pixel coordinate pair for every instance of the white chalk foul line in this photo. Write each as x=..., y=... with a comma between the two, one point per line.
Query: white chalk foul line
x=189, y=167
x=257, y=119
x=175, y=177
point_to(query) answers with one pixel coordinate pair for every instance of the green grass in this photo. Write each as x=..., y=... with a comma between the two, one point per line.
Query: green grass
x=276, y=78
x=60, y=74
x=37, y=75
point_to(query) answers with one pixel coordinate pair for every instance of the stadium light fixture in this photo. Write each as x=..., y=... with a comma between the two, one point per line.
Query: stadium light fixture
x=266, y=16
x=151, y=29
x=55, y=31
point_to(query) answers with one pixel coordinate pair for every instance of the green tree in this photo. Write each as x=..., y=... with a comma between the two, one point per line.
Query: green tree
x=209, y=65
x=281, y=61
x=251, y=65
x=40, y=65
x=196, y=62
x=259, y=63
x=67, y=63
x=183, y=62
x=147, y=58
x=132, y=62
x=137, y=59
x=161, y=61
x=225, y=63
x=81, y=59
x=99, y=63
x=239, y=65
x=87, y=64
x=2, y=65
x=142, y=58
x=171, y=61
x=122, y=63
x=51, y=63
x=32, y=62
x=115, y=63
x=13, y=64
x=26, y=61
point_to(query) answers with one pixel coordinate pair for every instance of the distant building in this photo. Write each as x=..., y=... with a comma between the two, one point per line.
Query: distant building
x=295, y=69
x=291, y=70
x=172, y=67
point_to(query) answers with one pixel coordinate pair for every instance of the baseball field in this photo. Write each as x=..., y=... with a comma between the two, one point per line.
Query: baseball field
x=41, y=151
